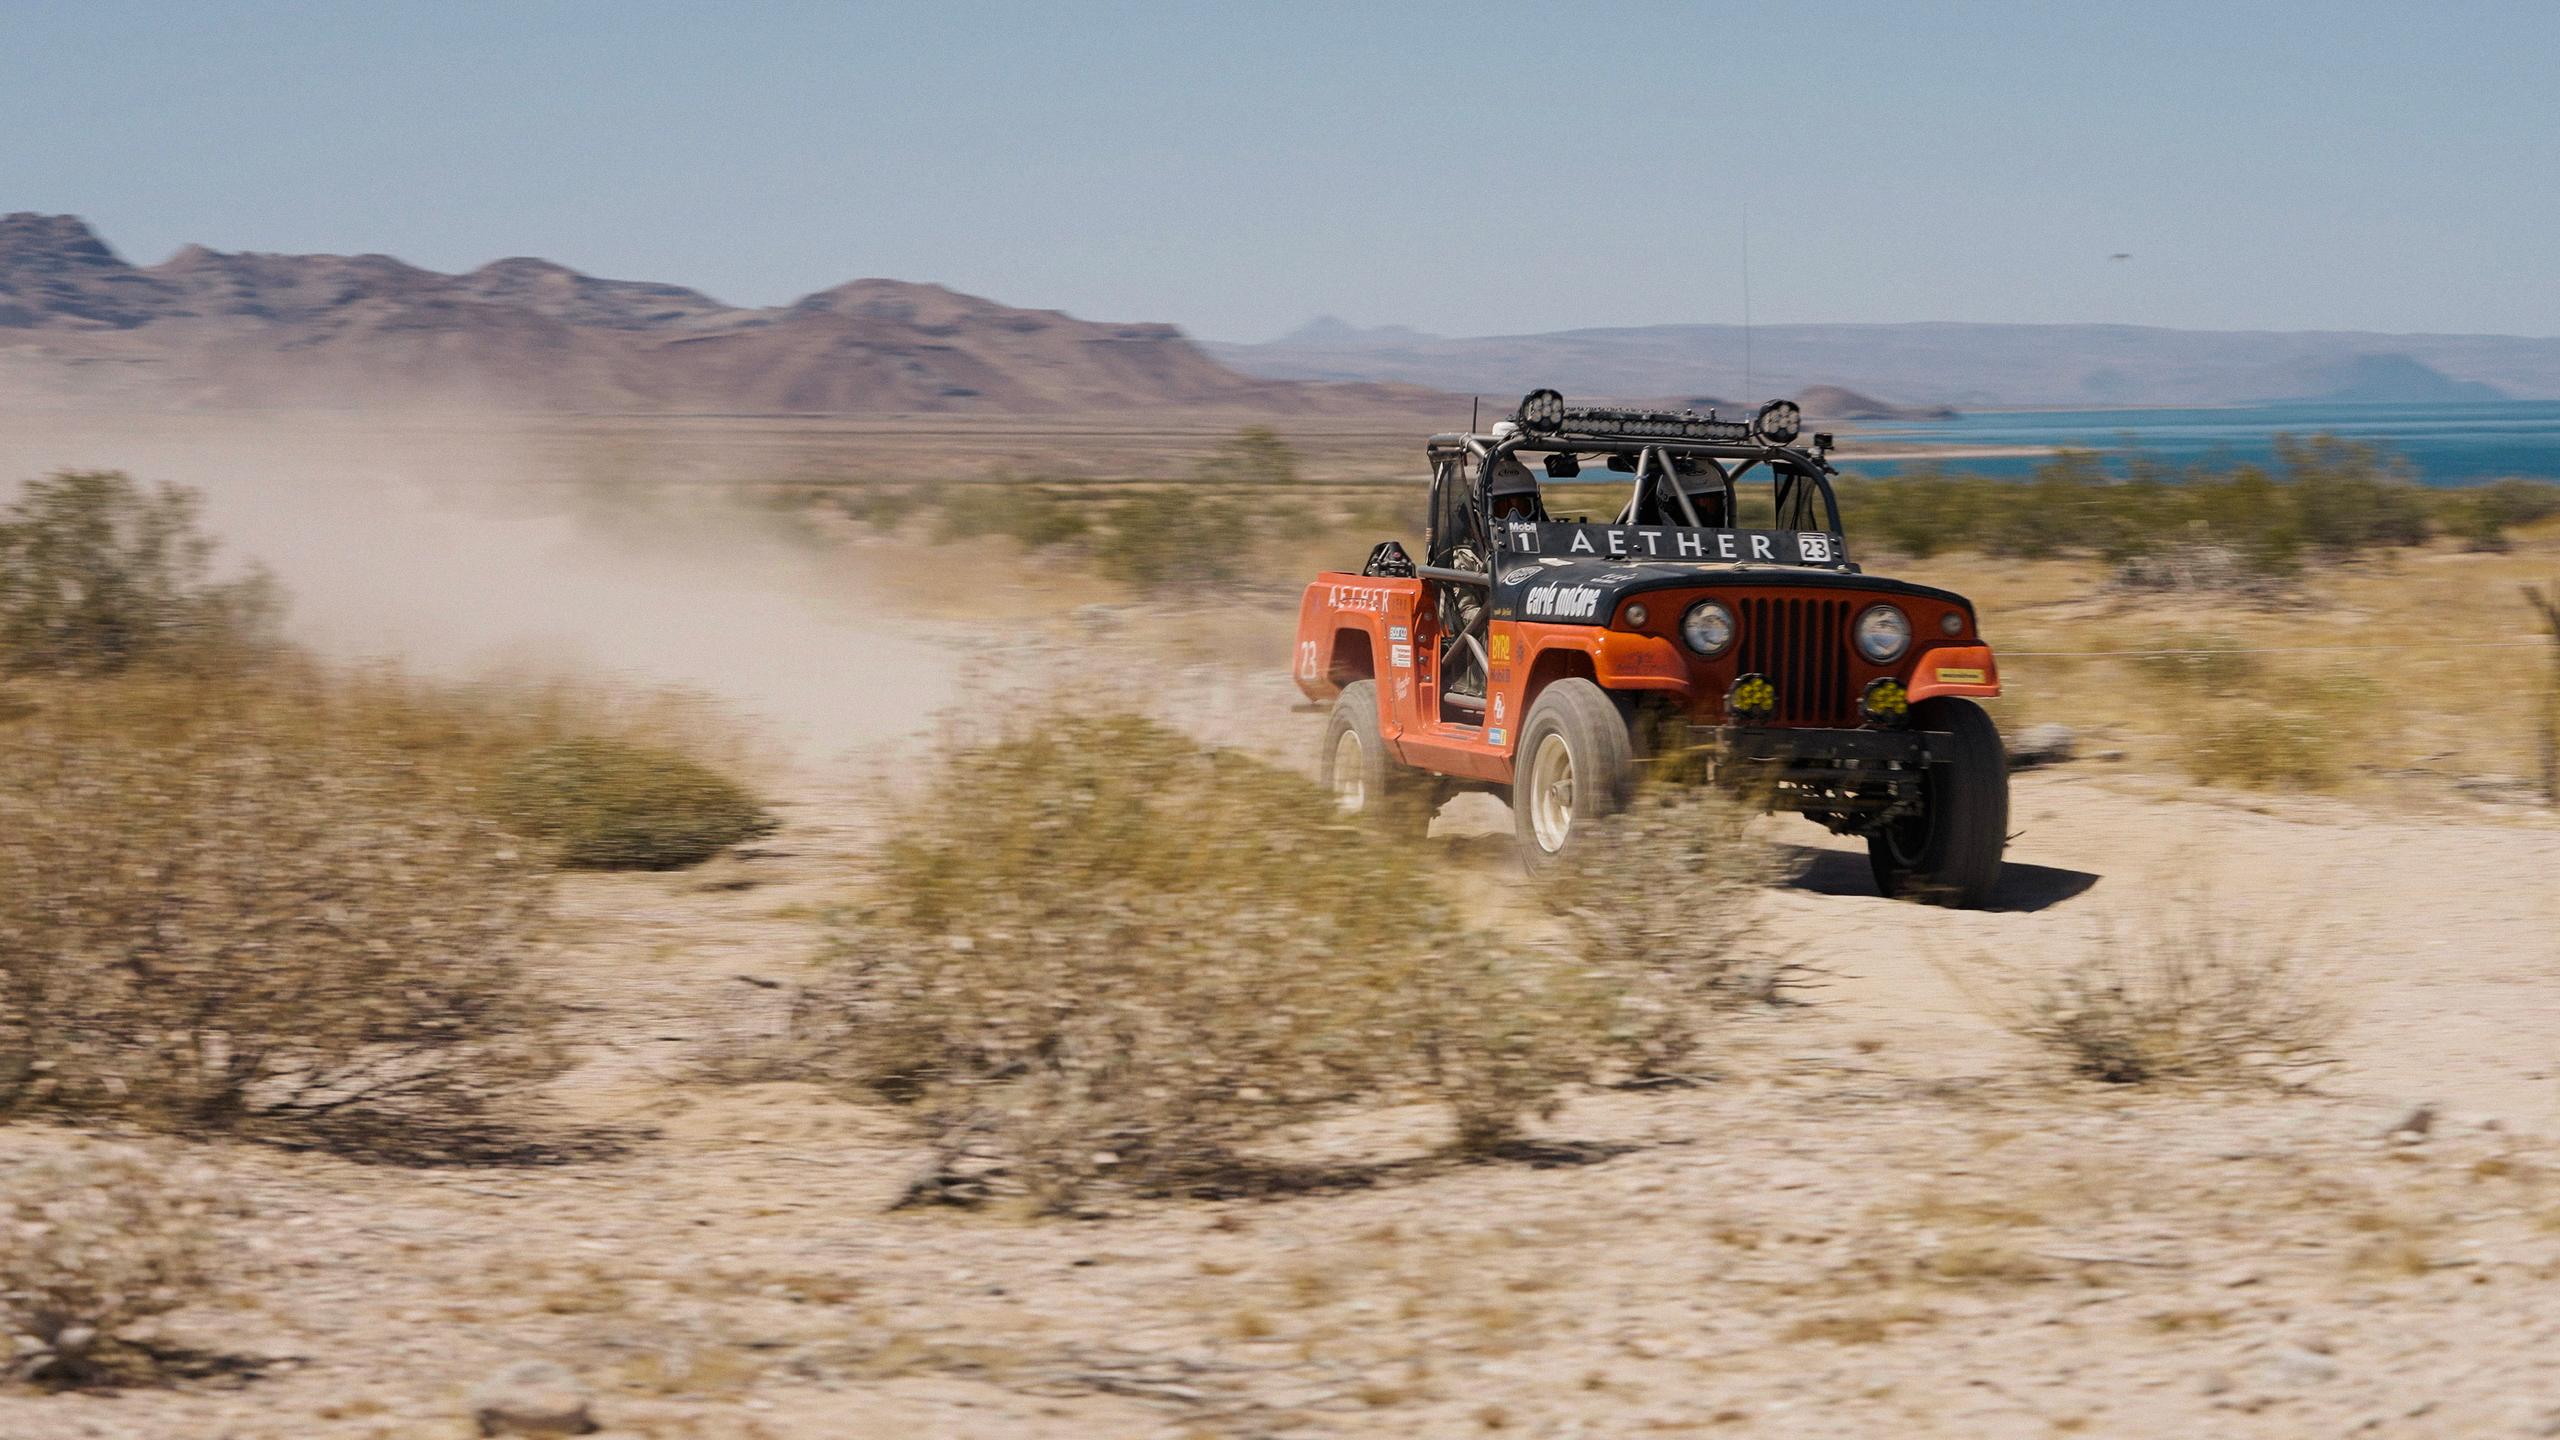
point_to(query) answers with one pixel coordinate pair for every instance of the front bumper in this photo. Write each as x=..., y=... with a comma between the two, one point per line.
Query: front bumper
x=1844, y=777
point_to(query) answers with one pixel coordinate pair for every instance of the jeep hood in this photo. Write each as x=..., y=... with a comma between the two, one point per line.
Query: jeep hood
x=1554, y=591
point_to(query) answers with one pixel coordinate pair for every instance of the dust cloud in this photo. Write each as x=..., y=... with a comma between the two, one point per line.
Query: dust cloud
x=467, y=549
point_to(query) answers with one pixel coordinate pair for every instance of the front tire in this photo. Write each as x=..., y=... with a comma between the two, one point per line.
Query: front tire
x=1949, y=853
x=1574, y=765
x=1367, y=783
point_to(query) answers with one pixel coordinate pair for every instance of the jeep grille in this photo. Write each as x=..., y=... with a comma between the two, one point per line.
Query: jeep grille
x=1803, y=647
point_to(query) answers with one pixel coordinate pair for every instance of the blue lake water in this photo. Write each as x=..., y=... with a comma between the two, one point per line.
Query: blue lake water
x=2449, y=444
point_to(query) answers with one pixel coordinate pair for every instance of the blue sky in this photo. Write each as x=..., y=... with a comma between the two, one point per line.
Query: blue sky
x=1236, y=167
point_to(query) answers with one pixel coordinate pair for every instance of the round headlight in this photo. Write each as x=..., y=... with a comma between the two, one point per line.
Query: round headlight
x=1883, y=633
x=1708, y=627
x=1542, y=410
x=1779, y=422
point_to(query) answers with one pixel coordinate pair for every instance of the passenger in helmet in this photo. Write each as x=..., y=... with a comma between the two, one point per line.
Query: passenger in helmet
x=1699, y=482
x=1705, y=490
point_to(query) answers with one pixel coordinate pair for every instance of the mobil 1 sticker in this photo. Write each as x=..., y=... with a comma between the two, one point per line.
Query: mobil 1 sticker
x=1674, y=542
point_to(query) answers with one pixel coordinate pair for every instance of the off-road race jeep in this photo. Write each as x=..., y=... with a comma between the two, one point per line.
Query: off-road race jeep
x=1556, y=660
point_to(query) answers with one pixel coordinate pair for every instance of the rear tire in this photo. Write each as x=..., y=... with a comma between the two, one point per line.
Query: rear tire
x=1574, y=764
x=1367, y=783
x=1949, y=853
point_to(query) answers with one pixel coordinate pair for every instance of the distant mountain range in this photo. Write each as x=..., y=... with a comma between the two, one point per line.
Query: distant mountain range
x=81, y=327
x=1975, y=366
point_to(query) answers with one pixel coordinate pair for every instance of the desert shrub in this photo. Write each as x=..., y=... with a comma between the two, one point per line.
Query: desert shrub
x=93, y=1239
x=1384, y=517
x=2195, y=561
x=2211, y=664
x=2350, y=496
x=98, y=573
x=2246, y=528
x=2262, y=747
x=1254, y=455
x=2279, y=731
x=1176, y=539
x=477, y=731
x=879, y=507
x=1032, y=518
x=608, y=804
x=1918, y=513
x=1102, y=953
x=2482, y=515
x=218, y=916
x=2068, y=504
x=2187, y=994
x=1666, y=906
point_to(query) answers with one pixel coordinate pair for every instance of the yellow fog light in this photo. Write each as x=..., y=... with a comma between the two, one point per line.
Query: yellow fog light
x=1752, y=699
x=1885, y=702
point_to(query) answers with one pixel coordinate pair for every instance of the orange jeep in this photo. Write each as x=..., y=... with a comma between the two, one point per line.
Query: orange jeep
x=1552, y=659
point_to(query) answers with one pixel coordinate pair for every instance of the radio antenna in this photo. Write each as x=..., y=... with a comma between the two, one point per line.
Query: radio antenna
x=1747, y=392
x=1475, y=406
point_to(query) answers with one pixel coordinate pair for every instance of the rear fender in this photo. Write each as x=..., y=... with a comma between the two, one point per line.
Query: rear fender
x=1955, y=670
x=1356, y=627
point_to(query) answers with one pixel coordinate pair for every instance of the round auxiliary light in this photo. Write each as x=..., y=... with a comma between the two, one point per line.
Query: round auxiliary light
x=1708, y=627
x=1885, y=702
x=1637, y=615
x=1882, y=633
x=1951, y=623
x=1779, y=422
x=1752, y=699
x=1542, y=410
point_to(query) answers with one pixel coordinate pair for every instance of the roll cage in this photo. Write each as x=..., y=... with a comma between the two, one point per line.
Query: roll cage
x=1462, y=519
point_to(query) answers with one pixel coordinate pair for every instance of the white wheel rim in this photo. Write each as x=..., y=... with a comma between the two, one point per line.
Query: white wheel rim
x=1350, y=793
x=1551, y=792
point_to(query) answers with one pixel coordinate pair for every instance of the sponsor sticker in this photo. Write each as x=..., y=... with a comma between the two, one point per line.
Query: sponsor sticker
x=1397, y=632
x=1497, y=708
x=1684, y=542
x=1521, y=538
x=1404, y=686
x=1951, y=676
x=1494, y=736
x=1356, y=597
x=1498, y=649
x=1559, y=601
x=1401, y=656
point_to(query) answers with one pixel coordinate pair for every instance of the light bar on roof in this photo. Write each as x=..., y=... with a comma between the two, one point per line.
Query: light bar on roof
x=1651, y=424
x=1543, y=412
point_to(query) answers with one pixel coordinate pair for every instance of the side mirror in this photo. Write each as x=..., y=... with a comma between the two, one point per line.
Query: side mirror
x=1563, y=466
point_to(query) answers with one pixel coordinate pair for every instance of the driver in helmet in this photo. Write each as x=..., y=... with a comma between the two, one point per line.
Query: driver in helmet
x=1515, y=492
